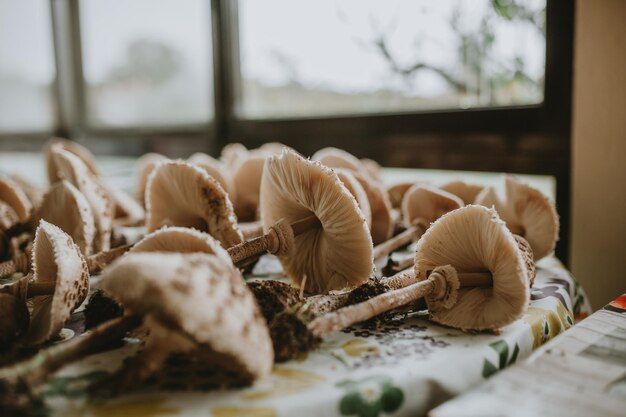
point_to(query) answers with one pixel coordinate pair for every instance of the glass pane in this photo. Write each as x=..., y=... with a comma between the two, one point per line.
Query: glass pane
x=147, y=62
x=353, y=56
x=26, y=66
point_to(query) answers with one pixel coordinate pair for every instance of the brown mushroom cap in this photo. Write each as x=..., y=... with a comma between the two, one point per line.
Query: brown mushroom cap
x=8, y=216
x=247, y=179
x=427, y=203
x=181, y=194
x=372, y=168
x=334, y=256
x=474, y=239
x=33, y=192
x=66, y=207
x=144, y=166
x=73, y=169
x=357, y=191
x=72, y=147
x=56, y=259
x=201, y=297
x=526, y=211
x=380, y=206
x=13, y=195
x=181, y=240
x=465, y=191
x=217, y=170
x=338, y=158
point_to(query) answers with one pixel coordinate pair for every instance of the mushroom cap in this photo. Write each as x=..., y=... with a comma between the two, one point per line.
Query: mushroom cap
x=474, y=239
x=182, y=194
x=217, y=170
x=338, y=158
x=380, y=206
x=336, y=255
x=465, y=191
x=74, y=148
x=527, y=209
x=73, y=169
x=357, y=191
x=33, y=192
x=247, y=175
x=396, y=192
x=13, y=195
x=181, y=240
x=8, y=216
x=66, y=207
x=232, y=153
x=143, y=167
x=200, y=296
x=128, y=212
x=372, y=168
x=427, y=203
x=56, y=259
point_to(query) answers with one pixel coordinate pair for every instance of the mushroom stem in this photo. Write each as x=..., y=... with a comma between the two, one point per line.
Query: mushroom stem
x=30, y=373
x=278, y=240
x=40, y=288
x=437, y=285
x=414, y=232
x=21, y=263
x=96, y=262
x=251, y=229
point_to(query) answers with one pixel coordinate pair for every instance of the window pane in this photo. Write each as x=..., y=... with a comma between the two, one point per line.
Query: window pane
x=352, y=56
x=147, y=62
x=26, y=66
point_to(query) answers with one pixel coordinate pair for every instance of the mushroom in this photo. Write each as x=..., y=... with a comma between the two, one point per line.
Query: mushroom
x=465, y=191
x=469, y=269
x=372, y=168
x=382, y=221
x=60, y=282
x=232, y=153
x=144, y=166
x=66, y=207
x=421, y=206
x=33, y=192
x=527, y=213
x=217, y=170
x=15, y=207
x=338, y=158
x=14, y=319
x=75, y=149
x=128, y=212
x=71, y=168
x=247, y=175
x=357, y=191
x=328, y=245
x=181, y=194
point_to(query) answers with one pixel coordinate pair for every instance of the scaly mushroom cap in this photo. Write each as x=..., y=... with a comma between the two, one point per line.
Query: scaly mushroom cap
x=74, y=148
x=357, y=191
x=427, y=203
x=66, y=207
x=217, y=170
x=56, y=259
x=338, y=158
x=380, y=206
x=181, y=194
x=247, y=175
x=73, y=169
x=474, y=239
x=465, y=191
x=199, y=296
x=334, y=256
x=181, y=240
x=143, y=167
x=527, y=212
x=13, y=195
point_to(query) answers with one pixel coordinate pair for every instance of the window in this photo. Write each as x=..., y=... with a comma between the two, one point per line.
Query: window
x=147, y=62
x=26, y=66
x=332, y=57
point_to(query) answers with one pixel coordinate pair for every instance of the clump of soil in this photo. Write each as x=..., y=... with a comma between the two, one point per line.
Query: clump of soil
x=365, y=291
x=273, y=297
x=291, y=336
x=101, y=308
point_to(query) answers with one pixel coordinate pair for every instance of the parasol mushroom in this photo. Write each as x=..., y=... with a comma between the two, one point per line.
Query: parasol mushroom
x=217, y=170
x=71, y=168
x=181, y=194
x=527, y=213
x=421, y=205
x=469, y=269
x=66, y=207
x=465, y=191
x=15, y=207
x=357, y=191
x=144, y=166
x=75, y=149
x=326, y=239
x=60, y=282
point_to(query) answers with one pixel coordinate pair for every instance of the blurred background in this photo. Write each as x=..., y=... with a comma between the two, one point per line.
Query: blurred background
x=483, y=85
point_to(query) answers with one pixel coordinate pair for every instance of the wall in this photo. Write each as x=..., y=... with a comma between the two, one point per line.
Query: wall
x=598, y=245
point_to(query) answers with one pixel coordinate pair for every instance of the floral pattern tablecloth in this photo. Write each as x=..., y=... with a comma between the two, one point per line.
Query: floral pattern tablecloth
x=403, y=367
